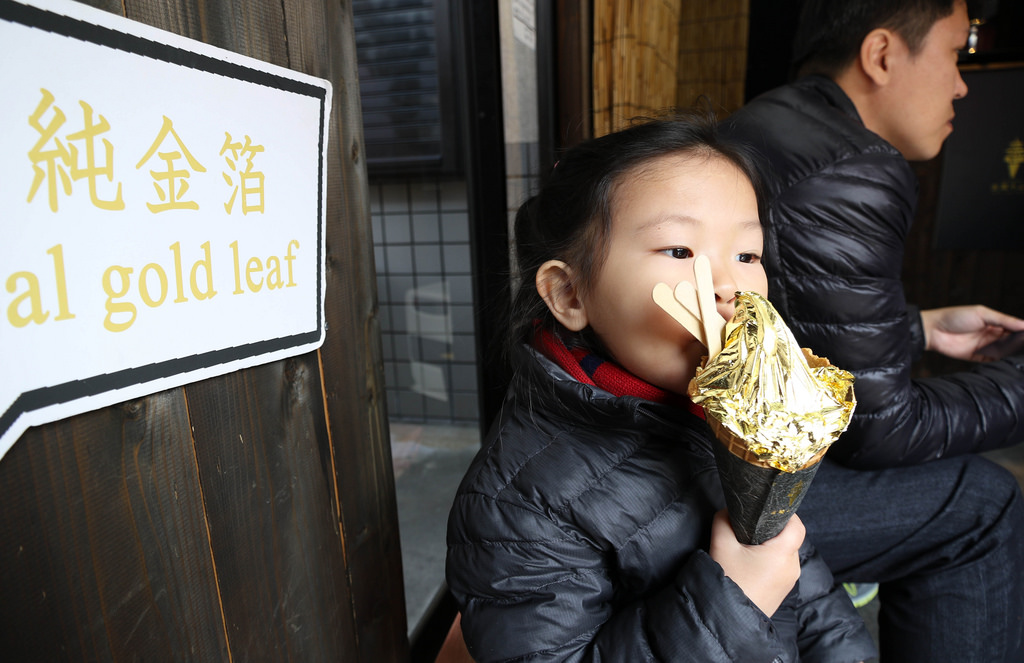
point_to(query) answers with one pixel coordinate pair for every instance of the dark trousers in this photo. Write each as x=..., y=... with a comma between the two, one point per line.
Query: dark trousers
x=945, y=541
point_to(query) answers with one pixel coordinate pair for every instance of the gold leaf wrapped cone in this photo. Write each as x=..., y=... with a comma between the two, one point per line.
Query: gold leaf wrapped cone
x=785, y=403
x=776, y=408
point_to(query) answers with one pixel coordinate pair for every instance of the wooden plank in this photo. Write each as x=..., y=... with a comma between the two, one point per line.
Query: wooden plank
x=124, y=540
x=353, y=378
x=575, y=48
x=105, y=542
x=272, y=527
x=285, y=613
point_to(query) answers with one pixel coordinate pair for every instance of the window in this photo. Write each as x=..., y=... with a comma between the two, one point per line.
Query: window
x=407, y=84
x=421, y=236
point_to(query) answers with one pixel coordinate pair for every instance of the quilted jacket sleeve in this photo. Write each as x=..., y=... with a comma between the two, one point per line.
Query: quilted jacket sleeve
x=531, y=591
x=829, y=629
x=838, y=240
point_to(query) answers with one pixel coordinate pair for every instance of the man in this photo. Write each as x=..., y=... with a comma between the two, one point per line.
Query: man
x=876, y=86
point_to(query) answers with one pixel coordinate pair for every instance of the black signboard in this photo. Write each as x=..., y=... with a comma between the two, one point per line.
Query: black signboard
x=981, y=199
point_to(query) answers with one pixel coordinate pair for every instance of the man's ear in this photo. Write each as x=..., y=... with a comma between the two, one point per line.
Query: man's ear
x=876, y=54
x=556, y=287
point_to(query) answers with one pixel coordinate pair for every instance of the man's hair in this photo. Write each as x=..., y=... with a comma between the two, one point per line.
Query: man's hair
x=830, y=32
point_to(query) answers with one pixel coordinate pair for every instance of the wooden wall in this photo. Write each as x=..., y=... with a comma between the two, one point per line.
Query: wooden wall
x=649, y=58
x=712, y=54
x=249, y=517
x=634, y=63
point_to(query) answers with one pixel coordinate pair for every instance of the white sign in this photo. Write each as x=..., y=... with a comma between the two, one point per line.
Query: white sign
x=161, y=211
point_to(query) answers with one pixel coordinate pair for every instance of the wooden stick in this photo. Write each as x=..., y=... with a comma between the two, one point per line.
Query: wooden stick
x=663, y=298
x=686, y=295
x=713, y=322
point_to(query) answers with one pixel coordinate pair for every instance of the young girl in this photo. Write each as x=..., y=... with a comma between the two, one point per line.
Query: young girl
x=590, y=526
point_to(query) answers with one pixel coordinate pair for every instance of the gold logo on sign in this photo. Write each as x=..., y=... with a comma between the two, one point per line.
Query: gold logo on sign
x=1014, y=157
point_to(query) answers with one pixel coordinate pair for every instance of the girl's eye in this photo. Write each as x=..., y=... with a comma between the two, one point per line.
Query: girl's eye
x=679, y=253
x=751, y=258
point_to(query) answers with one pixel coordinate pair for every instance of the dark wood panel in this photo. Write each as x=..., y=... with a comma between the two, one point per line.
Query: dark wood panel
x=247, y=517
x=364, y=488
x=280, y=568
x=105, y=543
x=573, y=63
x=354, y=379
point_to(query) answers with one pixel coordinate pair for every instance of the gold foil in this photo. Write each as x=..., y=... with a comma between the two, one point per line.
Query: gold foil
x=785, y=403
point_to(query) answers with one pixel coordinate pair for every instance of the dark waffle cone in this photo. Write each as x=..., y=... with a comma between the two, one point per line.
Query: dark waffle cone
x=760, y=498
x=736, y=445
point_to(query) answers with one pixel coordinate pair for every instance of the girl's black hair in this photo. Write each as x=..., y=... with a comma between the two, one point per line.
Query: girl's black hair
x=569, y=219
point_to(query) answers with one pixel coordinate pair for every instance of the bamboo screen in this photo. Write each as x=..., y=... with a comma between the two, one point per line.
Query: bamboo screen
x=650, y=56
x=634, y=71
x=713, y=53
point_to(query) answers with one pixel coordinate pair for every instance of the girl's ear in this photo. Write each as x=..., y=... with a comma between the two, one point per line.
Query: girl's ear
x=556, y=288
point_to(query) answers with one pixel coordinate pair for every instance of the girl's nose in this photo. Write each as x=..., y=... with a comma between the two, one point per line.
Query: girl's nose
x=725, y=290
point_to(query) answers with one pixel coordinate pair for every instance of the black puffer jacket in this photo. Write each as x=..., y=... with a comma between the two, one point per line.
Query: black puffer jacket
x=839, y=218
x=579, y=534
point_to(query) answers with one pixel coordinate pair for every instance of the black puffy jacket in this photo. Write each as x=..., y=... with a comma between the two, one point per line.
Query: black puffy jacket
x=579, y=534
x=839, y=216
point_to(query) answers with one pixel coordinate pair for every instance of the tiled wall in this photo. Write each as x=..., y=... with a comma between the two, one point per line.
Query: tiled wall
x=424, y=286
x=522, y=175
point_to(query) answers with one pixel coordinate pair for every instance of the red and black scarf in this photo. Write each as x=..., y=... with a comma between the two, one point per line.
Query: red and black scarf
x=588, y=368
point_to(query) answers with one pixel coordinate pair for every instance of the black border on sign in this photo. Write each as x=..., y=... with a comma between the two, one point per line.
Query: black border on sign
x=37, y=399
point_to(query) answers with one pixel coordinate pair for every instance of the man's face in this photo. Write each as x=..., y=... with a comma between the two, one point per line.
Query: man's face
x=919, y=112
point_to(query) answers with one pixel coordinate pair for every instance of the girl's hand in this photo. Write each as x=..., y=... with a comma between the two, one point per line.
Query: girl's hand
x=961, y=331
x=766, y=573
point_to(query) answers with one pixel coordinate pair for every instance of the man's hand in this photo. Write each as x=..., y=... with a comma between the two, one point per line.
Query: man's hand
x=766, y=573
x=961, y=331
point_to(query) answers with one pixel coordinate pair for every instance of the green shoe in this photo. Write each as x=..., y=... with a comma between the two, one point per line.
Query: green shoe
x=861, y=593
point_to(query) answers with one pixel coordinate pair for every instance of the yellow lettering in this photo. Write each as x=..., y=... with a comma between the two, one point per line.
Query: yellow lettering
x=260, y=272
x=207, y=264
x=178, y=279
x=57, y=251
x=144, y=285
x=274, y=273
x=117, y=307
x=253, y=266
x=238, y=276
x=289, y=258
x=171, y=184
x=32, y=295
